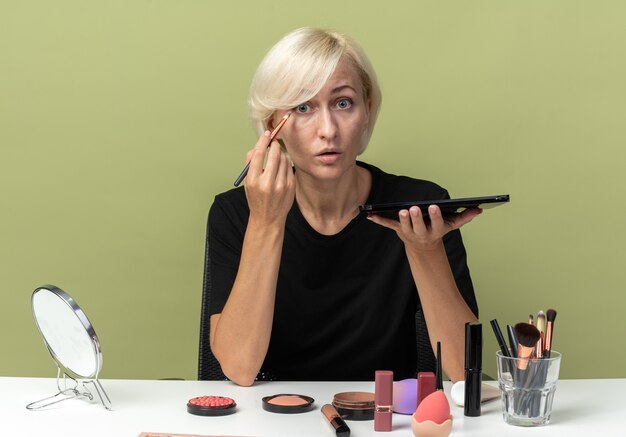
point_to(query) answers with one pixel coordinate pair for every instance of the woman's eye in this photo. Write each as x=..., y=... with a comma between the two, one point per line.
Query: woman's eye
x=303, y=108
x=344, y=104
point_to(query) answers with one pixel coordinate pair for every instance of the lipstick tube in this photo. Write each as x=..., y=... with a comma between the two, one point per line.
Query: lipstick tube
x=473, y=368
x=425, y=385
x=383, y=400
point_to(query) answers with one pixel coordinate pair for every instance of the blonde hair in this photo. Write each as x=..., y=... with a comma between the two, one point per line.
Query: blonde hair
x=296, y=68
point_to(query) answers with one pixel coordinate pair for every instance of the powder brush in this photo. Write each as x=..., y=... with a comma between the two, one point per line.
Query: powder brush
x=527, y=336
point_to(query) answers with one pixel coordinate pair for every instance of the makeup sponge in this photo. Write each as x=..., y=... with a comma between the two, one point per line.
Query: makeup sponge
x=405, y=396
x=434, y=407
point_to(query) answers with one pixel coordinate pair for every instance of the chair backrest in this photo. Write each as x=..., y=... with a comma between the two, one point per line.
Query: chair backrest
x=426, y=361
x=209, y=368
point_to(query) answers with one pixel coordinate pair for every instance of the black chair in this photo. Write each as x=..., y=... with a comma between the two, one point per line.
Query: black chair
x=209, y=368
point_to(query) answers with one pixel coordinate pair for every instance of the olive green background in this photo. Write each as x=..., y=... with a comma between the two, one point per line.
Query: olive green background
x=120, y=121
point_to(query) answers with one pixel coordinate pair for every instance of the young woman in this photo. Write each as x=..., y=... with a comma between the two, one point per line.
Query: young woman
x=303, y=286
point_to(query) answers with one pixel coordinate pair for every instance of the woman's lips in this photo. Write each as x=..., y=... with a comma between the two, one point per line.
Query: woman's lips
x=329, y=157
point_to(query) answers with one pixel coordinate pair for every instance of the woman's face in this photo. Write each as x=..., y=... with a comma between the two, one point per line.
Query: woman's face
x=324, y=135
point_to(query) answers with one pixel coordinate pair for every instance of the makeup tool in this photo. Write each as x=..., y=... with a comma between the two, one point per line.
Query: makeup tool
x=487, y=393
x=439, y=370
x=541, y=326
x=500, y=338
x=288, y=403
x=426, y=382
x=531, y=320
x=383, y=398
x=277, y=129
x=512, y=340
x=211, y=406
x=355, y=405
x=473, y=368
x=405, y=396
x=550, y=317
x=527, y=336
x=335, y=421
x=432, y=417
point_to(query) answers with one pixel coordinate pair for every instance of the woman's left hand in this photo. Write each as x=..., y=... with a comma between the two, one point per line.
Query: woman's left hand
x=418, y=234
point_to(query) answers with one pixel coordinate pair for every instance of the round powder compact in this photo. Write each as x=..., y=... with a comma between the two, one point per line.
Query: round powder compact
x=211, y=406
x=288, y=403
x=355, y=405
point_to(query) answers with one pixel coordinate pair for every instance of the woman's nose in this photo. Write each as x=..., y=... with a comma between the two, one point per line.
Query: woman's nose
x=327, y=125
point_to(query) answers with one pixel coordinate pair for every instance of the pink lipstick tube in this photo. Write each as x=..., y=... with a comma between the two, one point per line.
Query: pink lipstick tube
x=383, y=400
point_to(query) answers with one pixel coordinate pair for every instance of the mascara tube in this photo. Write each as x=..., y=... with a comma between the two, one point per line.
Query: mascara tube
x=473, y=368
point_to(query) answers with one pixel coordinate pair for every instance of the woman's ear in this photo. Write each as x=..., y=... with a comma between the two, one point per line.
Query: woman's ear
x=368, y=105
x=270, y=125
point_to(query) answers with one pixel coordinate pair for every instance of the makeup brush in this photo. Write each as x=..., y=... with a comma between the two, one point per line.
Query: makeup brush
x=527, y=336
x=277, y=129
x=541, y=326
x=500, y=338
x=439, y=372
x=531, y=320
x=512, y=340
x=550, y=317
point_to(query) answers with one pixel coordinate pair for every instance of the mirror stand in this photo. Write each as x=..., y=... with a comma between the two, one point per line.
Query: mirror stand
x=71, y=388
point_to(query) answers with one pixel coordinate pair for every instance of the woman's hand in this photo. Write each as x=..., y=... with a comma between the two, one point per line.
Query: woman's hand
x=270, y=190
x=416, y=233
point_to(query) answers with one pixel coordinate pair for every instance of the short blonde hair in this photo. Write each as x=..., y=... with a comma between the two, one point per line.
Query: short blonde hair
x=296, y=68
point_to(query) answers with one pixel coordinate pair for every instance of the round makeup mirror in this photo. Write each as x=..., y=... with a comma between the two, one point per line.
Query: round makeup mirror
x=72, y=343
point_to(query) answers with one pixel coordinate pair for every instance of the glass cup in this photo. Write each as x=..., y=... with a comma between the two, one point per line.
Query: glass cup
x=528, y=387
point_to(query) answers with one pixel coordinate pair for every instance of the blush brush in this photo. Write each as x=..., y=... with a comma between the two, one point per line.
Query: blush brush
x=527, y=337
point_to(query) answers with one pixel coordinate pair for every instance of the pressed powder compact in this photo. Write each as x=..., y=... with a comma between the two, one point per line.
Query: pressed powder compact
x=288, y=403
x=355, y=405
x=211, y=406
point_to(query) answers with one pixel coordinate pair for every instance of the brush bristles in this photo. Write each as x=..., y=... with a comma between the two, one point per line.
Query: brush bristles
x=527, y=335
x=551, y=315
x=541, y=321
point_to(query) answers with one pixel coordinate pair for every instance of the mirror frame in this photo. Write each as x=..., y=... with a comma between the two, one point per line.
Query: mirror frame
x=78, y=388
x=80, y=314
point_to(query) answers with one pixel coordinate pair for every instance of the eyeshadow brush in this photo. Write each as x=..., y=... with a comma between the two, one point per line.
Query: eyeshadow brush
x=550, y=317
x=541, y=326
x=277, y=129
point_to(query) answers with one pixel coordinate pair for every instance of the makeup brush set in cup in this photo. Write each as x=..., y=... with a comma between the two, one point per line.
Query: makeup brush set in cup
x=528, y=369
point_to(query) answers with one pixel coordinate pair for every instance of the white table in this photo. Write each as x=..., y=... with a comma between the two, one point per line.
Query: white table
x=581, y=408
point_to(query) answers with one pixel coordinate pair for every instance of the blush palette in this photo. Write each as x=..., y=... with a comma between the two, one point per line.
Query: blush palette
x=211, y=406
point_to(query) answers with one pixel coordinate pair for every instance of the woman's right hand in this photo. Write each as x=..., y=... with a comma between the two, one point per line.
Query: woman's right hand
x=271, y=190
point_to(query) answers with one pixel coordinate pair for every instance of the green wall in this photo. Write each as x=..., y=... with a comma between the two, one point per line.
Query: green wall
x=120, y=120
